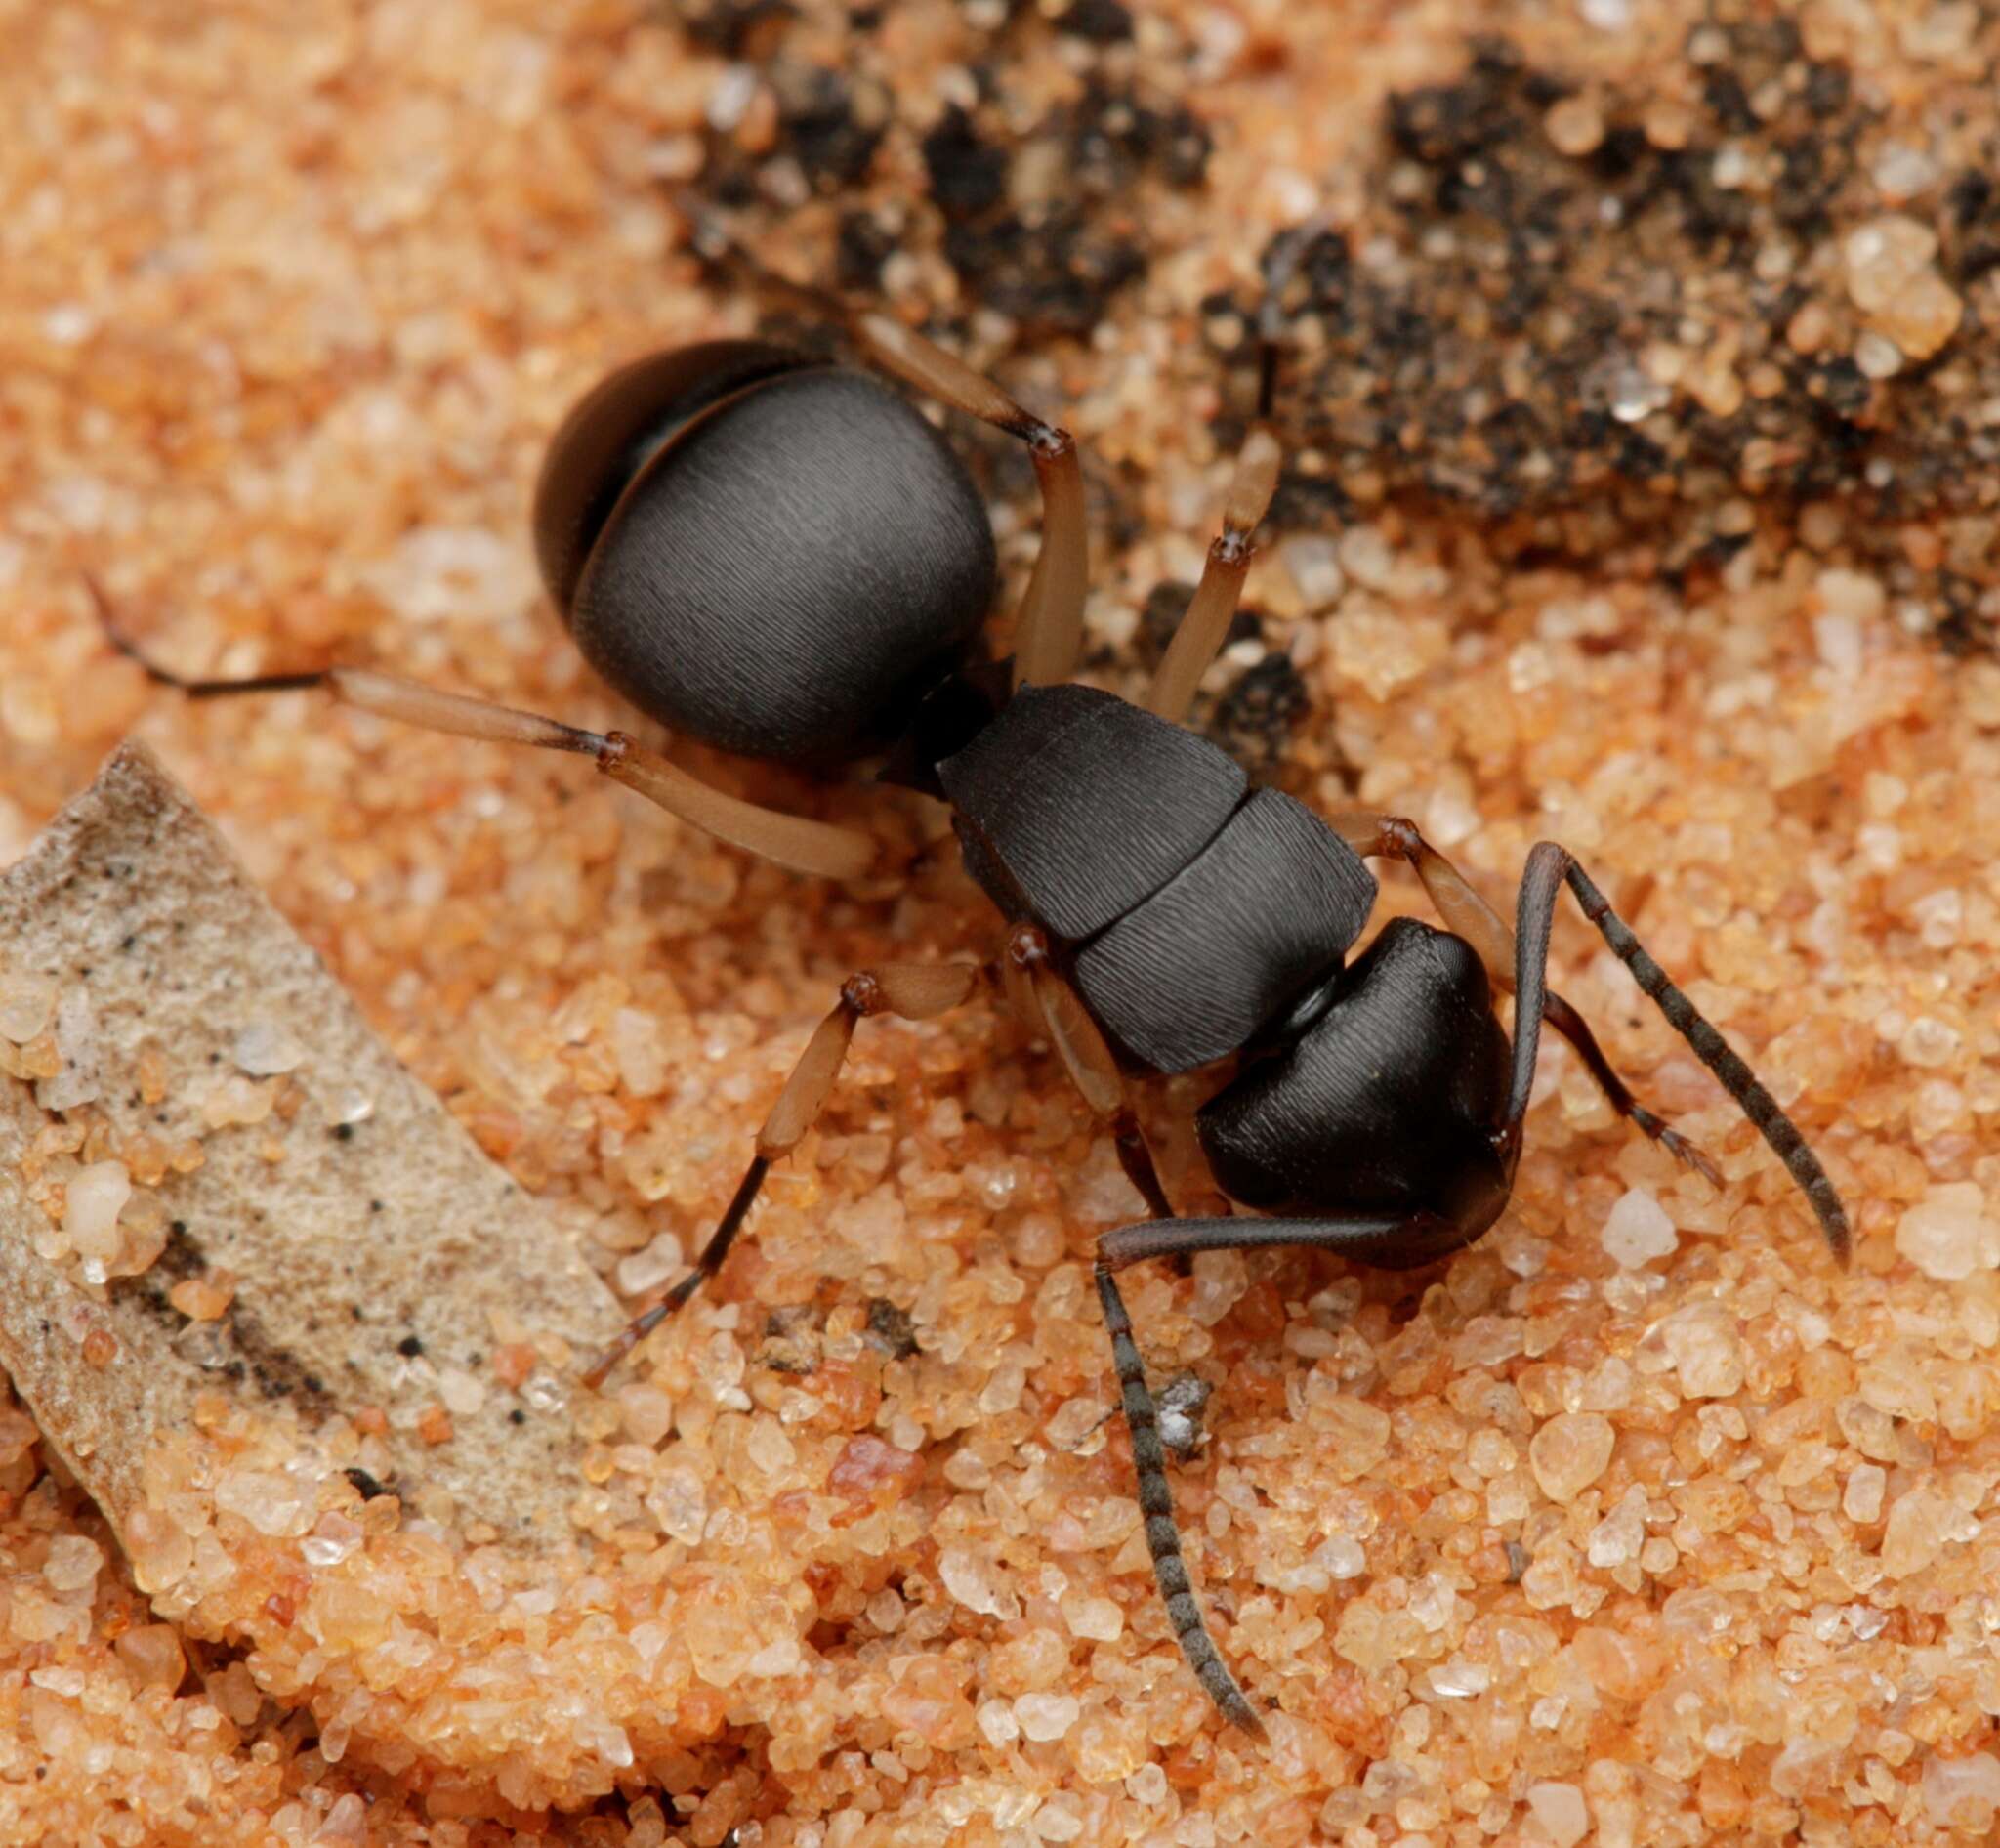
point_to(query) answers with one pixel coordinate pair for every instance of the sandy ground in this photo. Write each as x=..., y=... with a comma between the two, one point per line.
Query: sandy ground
x=1643, y=407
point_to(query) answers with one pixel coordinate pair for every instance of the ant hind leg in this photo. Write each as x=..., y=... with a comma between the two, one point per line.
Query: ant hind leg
x=1204, y=625
x=789, y=840
x=1048, y=628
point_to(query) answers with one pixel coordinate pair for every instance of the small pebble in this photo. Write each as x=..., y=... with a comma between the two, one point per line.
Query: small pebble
x=1885, y=255
x=1877, y=356
x=273, y=1502
x=641, y=1058
x=1922, y=1523
x=1948, y=1234
x=202, y=1298
x=265, y=1050
x=1575, y=126
x=73, y=1563
x=1313, y=561
x=1095, y=1620
x=1706, y=1350
x=26, y=1001
x=648, y=1413
x=94, y=1199
x=1962, y=1794
x=1561, y=1810
x=1044, y=1718
x=1639, y=1231
x=976, y=1583
x=1861, y=1499
x=1569, y=1452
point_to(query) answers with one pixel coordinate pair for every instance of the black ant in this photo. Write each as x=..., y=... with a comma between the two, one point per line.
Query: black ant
x=781, y=558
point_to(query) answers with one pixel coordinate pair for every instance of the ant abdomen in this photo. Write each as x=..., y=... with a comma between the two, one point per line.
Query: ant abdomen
x=767, y=554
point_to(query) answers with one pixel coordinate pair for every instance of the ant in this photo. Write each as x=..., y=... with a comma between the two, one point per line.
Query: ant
x=783, y=558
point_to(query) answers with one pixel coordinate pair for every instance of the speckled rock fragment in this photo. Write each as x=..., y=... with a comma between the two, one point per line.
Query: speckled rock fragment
x=365, y=1254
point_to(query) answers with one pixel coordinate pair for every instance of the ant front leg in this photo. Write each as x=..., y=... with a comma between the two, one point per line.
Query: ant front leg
x=1204, y=625
x=789, y=840
x=1551, y=866
x=1467, y=915
x=910, y=990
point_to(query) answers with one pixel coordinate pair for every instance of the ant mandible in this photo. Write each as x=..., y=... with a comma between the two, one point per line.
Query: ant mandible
x=781, y=558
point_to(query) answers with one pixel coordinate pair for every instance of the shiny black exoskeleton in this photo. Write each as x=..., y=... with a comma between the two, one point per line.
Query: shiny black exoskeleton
x=766, y=553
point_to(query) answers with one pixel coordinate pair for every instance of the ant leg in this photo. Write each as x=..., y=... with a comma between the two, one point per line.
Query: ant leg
x=910, y=990
x=791, y=841
x=1088, y=1058
x=1467, y=915
x=1205, y=623
x=1464, y=911
x=1549, y=866
x=1094, y=1073
x=1049, y=631
x=1156, y=1506
x=1571, y=1024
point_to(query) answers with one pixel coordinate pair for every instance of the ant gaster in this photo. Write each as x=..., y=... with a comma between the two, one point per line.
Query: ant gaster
x=781, y=558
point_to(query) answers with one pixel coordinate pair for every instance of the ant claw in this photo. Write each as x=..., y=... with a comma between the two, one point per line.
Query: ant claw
x=1687, y=1154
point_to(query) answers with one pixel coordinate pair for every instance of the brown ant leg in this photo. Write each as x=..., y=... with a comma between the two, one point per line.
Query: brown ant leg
x=1089, y=1061
x=1466, y=914
x=1571, y=1024
x=1094, y=1073
x=1048, y=634
x=1549, y=866
x=910, y=990
x=790, y=840
x=1205, y=624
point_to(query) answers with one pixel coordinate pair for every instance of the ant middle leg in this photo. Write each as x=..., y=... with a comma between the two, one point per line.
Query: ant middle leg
x=789, y=840
x=911, y=991
x=1467, y=915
